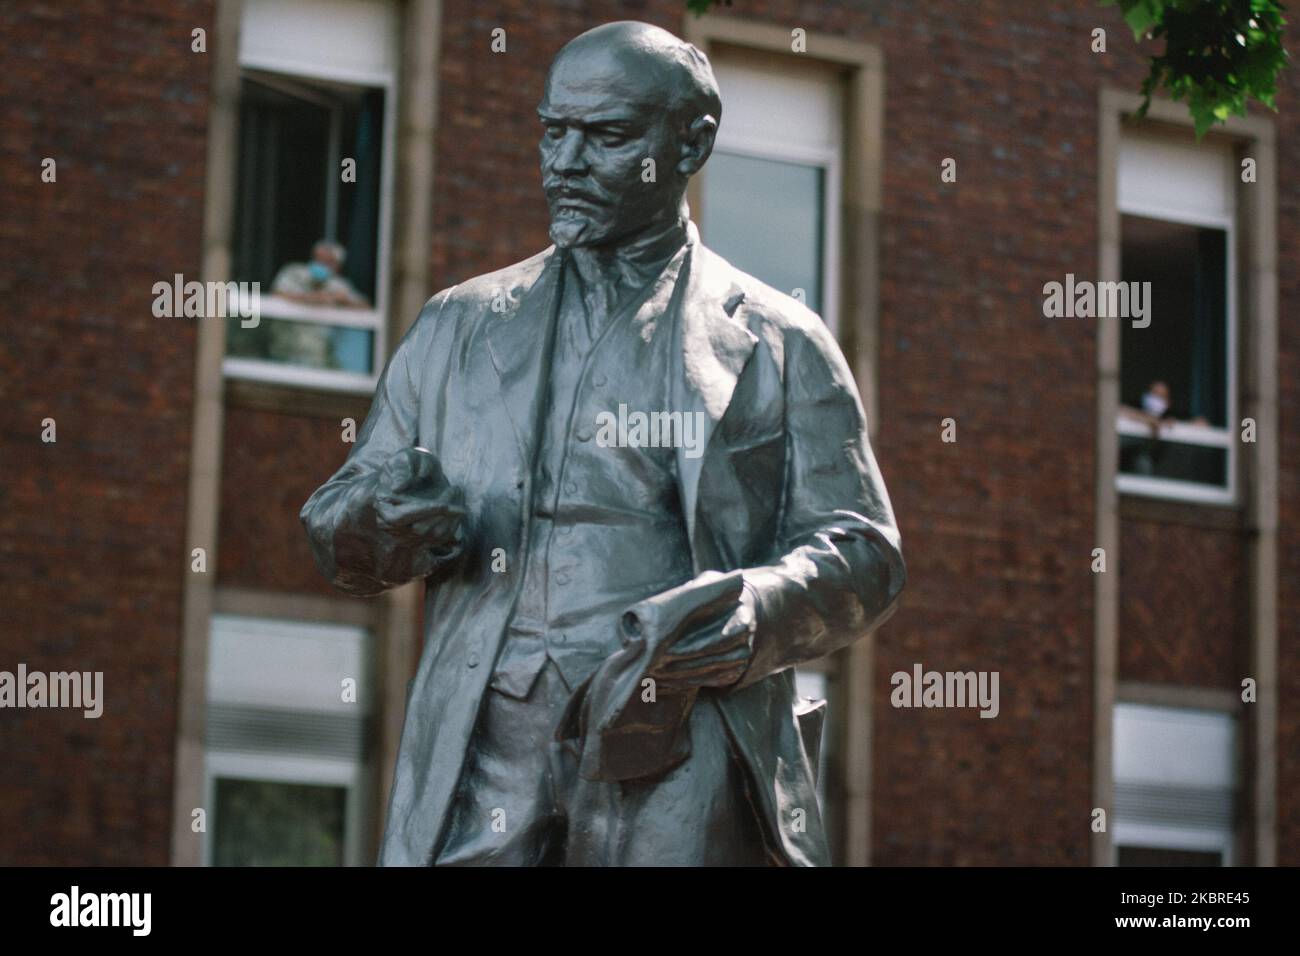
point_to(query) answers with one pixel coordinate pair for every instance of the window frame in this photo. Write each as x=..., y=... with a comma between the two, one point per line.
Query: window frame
x=289, y=769
x=1191, y=839
x=1203, y=435
x=830, y=159
x=375, y=319
x=860, y=66
x=354, y=774
x=1255, y=137
x=1175, y=705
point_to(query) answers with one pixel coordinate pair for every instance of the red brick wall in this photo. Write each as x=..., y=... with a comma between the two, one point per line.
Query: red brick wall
x=270, y=465
x=1288, y=379
x=92, y=528
x=1183, y=606
x=998, y=526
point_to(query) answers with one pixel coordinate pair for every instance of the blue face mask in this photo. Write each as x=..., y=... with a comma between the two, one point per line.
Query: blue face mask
x=319, y=272
x=1153, y=404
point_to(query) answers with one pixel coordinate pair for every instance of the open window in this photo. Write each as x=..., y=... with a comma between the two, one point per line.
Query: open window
x=313, y=192
x=1177, y=366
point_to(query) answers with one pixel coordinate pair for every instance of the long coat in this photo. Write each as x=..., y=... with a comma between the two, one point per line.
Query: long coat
x=787, y=489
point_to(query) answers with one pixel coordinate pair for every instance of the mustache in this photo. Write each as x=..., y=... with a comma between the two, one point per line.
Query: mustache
x=557, y=189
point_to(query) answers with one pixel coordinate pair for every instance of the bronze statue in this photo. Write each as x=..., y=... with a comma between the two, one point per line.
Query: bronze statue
x=612, y=620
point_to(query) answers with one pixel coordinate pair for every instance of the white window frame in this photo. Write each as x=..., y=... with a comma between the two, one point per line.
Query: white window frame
x=374, y=319
x=273, y=766
x=1191, y=839
x=1182, y=432
x=1178, y=835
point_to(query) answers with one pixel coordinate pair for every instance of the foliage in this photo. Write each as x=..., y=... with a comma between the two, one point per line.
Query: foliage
x=1219, y=54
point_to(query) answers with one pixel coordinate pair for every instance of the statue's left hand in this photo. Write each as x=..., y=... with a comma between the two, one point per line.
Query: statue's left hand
x=712, y=656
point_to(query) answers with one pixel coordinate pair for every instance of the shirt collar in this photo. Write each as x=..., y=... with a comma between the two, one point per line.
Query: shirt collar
x=634, y=264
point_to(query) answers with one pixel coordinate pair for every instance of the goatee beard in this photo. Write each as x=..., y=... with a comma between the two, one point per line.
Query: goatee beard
x=567, y=233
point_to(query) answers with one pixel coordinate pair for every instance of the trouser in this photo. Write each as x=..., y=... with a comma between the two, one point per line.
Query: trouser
x=521, y=802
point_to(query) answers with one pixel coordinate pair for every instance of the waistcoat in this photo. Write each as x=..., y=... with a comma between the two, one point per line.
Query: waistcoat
x=607, y=526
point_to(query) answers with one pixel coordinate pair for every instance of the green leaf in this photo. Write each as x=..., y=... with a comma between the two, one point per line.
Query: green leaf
x=1142, y=17
x=1219, y=55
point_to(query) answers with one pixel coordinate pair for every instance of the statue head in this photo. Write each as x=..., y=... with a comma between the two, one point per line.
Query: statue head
x=629, y=114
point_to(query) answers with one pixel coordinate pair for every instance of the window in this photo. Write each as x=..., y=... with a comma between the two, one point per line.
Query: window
x=287, y=743
x=769, y=204
x=1175, y=779
x=815, y=685
x=269, y=823
x=771, y=190
x=313, y=191
x=1177, y=374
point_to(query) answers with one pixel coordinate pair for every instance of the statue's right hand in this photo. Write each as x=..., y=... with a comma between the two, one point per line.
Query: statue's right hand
x=414, y=500
x=412, y=470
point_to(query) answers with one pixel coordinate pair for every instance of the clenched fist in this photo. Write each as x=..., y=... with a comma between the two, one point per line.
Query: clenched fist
x=419, y=512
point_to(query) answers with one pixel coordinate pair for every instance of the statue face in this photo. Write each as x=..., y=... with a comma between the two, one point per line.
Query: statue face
x=605, y=112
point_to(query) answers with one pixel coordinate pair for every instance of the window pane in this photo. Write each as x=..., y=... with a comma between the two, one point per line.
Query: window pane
x=293, y=136
x=308, y=344
x=1176, y=368
x=1163, y=856
x=1161, y=458
x=819, y=685
x=765, y=217
x=306, y=228
x=261, y=823
x=1175, y=784
x=1185, y=345
x=287, y=752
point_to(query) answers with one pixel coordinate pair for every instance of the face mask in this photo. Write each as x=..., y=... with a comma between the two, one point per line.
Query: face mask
x=319, y=272
x=1154, y=405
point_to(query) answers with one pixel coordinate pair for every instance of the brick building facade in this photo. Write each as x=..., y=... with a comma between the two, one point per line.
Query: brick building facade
x=940, y=292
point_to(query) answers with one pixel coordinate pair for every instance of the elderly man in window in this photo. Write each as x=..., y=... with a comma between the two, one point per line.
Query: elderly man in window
x=319, y=282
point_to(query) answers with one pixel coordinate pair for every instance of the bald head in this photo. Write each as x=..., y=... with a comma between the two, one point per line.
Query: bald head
x=656, y=67
x=629, y=115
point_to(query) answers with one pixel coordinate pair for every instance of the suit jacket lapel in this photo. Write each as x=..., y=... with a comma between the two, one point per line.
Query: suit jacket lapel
x=518, y=341
x=714, y=350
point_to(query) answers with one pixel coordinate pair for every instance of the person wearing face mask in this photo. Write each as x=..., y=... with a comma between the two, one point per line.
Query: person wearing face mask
x=1155, y=402
x=318, y=282
x=1154, y=411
